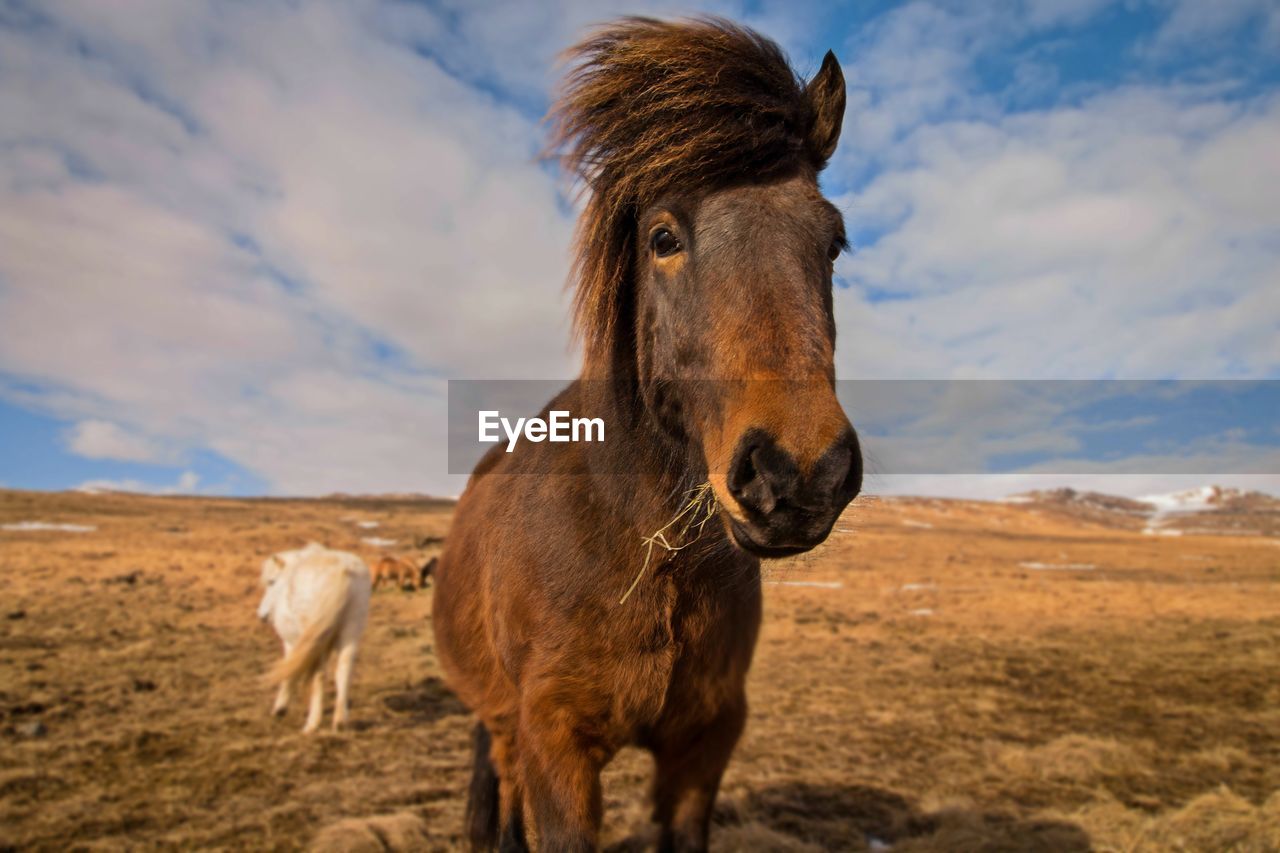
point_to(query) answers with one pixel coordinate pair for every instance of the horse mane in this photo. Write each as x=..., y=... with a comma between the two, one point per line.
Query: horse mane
x=652, y=106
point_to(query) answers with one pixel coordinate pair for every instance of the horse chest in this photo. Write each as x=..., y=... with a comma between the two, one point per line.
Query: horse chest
x=687, y=664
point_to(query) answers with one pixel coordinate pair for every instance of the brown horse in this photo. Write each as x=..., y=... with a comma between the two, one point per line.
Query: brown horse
x=597, y=595
x=400, y=573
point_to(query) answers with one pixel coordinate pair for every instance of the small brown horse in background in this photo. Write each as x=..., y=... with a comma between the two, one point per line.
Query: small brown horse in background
x=401, y=573
x=704, y=300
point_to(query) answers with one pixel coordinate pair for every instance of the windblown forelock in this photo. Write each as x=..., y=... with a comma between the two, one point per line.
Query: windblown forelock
x=651, y=107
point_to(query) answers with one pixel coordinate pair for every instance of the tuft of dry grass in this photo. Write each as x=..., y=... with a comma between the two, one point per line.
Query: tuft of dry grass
x=378, y=834
x=699, y=507
x=1072, y=758
x=1218, y=820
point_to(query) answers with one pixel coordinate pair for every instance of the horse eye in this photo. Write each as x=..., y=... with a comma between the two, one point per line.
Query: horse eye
x=664, y=243
x=834, y=252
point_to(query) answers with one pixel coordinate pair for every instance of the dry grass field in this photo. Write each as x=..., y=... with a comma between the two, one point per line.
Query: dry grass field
x=941, y=676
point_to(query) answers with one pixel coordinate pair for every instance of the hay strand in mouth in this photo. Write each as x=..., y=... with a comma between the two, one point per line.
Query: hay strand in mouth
x=699, y=508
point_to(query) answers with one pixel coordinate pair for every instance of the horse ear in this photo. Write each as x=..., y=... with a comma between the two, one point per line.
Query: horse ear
x=826, y=97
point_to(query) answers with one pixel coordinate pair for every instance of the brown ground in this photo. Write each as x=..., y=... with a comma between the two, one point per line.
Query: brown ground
x=943, y=697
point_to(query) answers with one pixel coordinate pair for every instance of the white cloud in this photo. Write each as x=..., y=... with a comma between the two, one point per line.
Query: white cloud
x=94, y=439
x=272, y=230
x=516, y=47
x=1197, y=24
x=1130, y=234
x=188, y=483
x=1084, y=243
x=401, y=231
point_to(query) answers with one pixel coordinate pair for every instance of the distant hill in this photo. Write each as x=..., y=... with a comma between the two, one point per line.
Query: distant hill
x=389, y=496
x=1092, y=500
x=1210, y=509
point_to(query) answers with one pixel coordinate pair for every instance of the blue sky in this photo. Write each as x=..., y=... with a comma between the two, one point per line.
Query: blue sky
x=242, y=246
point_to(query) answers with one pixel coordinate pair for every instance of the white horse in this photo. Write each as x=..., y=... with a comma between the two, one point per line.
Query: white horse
x=318, y=602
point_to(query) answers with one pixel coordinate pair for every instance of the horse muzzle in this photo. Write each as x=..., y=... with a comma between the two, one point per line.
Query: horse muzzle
x=782, y=509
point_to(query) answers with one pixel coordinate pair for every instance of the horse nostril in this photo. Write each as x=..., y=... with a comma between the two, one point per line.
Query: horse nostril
x=746, y=485
x=762, y=474
x=838, y=475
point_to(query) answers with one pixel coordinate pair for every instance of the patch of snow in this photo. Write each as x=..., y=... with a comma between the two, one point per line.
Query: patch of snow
x=26, y=526
x=908, y=522
x=1189, y=500
x=916, y=587
x=379, y=543
x=923, y=611
x=1057, y=566
x=367, y=525
x=1203, y=499
x=1015, y=499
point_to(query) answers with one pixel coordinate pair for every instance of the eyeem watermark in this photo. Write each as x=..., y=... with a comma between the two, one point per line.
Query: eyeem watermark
x=559, y=427
x=926, y=427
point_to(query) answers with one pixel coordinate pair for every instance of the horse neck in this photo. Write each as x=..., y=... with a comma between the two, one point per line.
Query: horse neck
x=646, y=480
x=640, y=470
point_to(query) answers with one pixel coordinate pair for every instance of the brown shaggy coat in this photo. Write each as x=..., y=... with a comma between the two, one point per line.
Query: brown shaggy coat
x=700, y=149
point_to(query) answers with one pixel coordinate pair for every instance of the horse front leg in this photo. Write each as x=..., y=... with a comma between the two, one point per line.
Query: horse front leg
x=687, y=777
x=561, y=777
x=510, y=793
x=284, y=693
